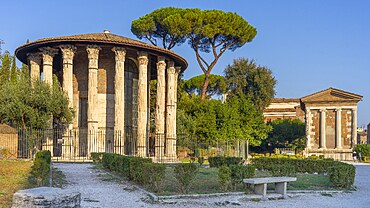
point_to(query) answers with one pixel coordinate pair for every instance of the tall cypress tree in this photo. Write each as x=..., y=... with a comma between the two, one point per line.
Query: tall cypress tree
x=13, y=71
x=5, y=68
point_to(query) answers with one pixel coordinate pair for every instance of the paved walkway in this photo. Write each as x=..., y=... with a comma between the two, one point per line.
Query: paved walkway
x=99, y=190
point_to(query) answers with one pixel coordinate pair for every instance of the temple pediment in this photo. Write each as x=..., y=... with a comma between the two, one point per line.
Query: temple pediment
x=332, y=95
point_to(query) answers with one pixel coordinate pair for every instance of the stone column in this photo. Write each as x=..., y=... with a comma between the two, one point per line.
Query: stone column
x=354, y=127
x=142, y=118
x=170, y=113
x=119, y=97
x=92, y=98
x=47, y=63
x=47, y=67
x=308, y=128
x=322, y=129
x=68, y=52
x=338, y=128
x=160, y=108
x=34, y=62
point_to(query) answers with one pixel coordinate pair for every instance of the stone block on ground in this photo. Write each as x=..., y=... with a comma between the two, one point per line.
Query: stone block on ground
x=46, y=197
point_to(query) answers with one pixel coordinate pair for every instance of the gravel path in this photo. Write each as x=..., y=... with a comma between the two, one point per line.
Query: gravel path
x=99, y=190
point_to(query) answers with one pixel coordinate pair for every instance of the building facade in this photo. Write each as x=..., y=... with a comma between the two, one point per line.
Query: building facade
x=107, y=80
x=330, y=117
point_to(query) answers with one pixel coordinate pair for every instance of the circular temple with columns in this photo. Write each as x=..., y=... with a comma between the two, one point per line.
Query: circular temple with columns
x=107, y=80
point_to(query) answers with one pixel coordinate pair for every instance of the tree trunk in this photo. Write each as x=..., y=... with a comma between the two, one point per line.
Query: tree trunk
x=205, y=86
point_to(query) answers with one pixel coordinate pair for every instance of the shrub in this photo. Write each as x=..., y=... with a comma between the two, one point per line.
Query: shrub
x=239, y=172
x=364, y=149
x=283, y=170
x=153, y=175
x=200, y=160
x=224, y=177
x=41, y=166
x=185, y=174
x=215, y=162
x=342, y=175
x=136, y=172
x=96, y=157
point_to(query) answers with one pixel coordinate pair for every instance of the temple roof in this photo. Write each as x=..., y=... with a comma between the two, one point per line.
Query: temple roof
x=332, y=94
x=97, y=38
x=285, y=100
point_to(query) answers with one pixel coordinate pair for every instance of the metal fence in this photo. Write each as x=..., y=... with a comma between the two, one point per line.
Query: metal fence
x=77, y=144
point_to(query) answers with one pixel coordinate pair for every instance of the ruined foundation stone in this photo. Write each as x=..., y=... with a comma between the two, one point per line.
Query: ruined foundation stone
x=46, y=197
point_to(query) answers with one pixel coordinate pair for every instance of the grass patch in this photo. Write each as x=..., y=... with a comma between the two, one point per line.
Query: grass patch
x=14, y=175
x=206, y=182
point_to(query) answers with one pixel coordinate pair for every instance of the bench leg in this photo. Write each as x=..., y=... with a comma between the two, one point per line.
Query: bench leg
x=281, y=188
x=260, y=189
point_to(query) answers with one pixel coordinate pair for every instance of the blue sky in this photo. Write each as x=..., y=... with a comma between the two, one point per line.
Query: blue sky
x=309, y=45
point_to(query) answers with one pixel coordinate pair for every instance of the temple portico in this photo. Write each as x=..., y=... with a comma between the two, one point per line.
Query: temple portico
x=106, y=79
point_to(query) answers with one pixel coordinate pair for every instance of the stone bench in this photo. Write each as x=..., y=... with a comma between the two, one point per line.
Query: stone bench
x=43, y=197
x=260, y=184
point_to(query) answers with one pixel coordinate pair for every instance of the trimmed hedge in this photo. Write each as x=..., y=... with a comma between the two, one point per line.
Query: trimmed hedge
x=240, y=172
x=283, y=170
x=215, y=162
x=96, y=157
x=154, y=174
x=342, y=175
x=140, y=170
x=185, y=174
x=41, y=166
x=306, y=165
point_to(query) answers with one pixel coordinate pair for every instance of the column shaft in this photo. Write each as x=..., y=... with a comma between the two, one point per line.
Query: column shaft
x=322, y=129
x=160, y=108
x=68, y=54
x=34, y=61
x=354, y=127
x=95, y=144
x=47, y=64
x=119, y=98
x=142, y=118
x=338, y=128
x=308, y=128
x=170, y=113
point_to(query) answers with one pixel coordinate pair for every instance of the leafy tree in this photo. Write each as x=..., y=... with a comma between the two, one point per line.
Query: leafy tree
x=254, y=81
x=154, y=27
x=5, y=68
x=208, y=32
x=286, y=133
x=30, y=106
x=242, y=121
x=217, y=85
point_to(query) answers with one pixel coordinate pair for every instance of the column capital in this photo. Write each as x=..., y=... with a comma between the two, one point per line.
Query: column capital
x=171, y=67
x=92, y=51
x=142, y=58
x=48, y=53
x=68, y=51
x=161, y=64
x=323, y=110
x=120, y=53
x=338, y=109
x=34, y=58
x=354, y=109
x=178, y=69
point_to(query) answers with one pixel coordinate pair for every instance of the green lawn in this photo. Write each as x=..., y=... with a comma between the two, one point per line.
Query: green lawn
x=16, y=175
x=206, y=181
